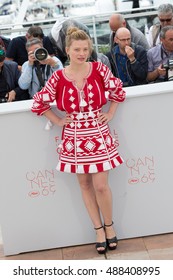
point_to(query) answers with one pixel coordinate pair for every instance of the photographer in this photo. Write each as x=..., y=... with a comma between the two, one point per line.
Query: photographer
x=165, y=18
x=16, y=49
x=39, y=67
x=160, y=56
x=9, y=75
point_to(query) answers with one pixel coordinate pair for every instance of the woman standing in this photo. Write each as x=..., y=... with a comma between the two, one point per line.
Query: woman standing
x=88, y=148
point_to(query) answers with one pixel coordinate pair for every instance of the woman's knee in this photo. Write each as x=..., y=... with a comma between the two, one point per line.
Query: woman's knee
x=101, y=187
x=100, y=182
x=85, y=182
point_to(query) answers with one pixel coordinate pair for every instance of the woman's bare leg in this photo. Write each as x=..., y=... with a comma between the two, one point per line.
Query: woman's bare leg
x=89, y=198
x=104, y=200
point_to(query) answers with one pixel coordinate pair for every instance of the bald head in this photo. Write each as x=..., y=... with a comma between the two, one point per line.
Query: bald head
x=123, y=32
x=116, y=21
x=123, y=38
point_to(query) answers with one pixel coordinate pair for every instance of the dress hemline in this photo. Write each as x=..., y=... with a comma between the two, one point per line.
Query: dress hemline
x=90, y=168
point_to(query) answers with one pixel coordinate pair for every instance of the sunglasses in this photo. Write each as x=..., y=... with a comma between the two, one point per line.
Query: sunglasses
x=166, y=19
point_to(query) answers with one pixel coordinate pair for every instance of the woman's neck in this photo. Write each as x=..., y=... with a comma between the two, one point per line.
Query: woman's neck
x=78, y=67
x=79, y=70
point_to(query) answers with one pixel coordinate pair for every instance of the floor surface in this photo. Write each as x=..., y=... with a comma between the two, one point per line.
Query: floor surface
x=157, y=247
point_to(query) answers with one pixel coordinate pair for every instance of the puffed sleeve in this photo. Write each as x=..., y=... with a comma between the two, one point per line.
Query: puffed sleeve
x=47, y=95
x=116, y=92
x=113, y=86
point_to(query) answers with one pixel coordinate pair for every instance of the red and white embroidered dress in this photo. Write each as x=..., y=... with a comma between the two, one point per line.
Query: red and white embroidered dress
x=87, y=145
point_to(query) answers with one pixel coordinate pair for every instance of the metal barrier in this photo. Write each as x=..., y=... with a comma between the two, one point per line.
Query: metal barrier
x=98, y=24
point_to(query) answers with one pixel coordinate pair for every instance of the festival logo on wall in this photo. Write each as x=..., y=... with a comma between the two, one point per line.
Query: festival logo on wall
x=41, y=183
x=141, y=170
x=58, y=144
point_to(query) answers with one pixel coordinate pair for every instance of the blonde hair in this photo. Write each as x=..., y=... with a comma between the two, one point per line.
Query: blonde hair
x=75, y=34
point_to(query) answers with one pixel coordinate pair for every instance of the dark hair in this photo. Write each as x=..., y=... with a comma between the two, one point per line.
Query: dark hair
x=32, y=42
x=35, y=31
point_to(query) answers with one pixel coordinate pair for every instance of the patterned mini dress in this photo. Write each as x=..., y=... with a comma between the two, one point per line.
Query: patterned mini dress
x=87, y=145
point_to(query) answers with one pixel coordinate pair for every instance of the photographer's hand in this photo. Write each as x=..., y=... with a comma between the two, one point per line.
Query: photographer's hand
x=49, y=61
x=31, y=58
x=11, y=96
x=161, y=71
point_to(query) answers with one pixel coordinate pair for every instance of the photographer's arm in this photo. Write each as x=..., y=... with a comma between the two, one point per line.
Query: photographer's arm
x=26, y=76
x=160, y=71
x=53, y=61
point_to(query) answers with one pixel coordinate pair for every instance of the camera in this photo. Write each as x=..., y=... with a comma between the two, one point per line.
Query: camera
x=3, y=99
x=169, y=69
x=40, y=54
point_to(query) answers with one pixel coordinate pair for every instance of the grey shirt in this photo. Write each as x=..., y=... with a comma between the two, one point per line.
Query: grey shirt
x=156, y=56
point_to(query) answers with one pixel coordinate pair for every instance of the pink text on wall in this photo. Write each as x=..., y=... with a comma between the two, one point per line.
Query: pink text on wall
x=41, y=182
x=141, y=170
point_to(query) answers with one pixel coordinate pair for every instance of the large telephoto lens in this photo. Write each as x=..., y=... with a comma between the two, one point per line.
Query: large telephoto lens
x=41, y=54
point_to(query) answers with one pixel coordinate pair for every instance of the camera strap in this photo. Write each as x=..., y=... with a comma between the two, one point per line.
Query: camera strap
x=39, y=74
x=163, y=52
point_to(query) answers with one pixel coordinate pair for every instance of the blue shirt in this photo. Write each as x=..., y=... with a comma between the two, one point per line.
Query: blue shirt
x=121, y=62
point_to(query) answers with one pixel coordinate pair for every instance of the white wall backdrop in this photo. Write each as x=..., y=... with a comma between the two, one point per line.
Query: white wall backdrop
x=41, y=208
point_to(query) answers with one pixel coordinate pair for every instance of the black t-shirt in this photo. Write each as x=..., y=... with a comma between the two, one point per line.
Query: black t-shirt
x=3, y=85
x=4, y=41
x=17, y=49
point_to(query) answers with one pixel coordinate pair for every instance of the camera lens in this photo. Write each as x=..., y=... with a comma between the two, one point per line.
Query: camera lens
x=41, y=54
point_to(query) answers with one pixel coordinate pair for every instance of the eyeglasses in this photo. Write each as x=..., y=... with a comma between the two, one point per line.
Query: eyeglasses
x=124, y=40
x=166, y=19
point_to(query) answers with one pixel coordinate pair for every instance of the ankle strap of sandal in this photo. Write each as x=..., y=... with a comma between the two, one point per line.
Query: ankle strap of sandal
x=109, y=225
x=98, y=228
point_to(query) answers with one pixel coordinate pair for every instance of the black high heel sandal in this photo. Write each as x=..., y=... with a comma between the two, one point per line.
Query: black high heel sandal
x=112, y=240
x=101, y=244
